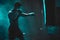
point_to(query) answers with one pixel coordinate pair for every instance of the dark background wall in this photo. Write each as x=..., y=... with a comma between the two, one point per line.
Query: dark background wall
x=57, y=12
x=57, y=3
x=53, y=19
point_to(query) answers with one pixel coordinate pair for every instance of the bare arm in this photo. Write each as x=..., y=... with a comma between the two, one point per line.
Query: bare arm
x=31, y=13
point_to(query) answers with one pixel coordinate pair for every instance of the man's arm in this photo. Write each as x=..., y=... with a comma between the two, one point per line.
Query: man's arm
x=32, y=13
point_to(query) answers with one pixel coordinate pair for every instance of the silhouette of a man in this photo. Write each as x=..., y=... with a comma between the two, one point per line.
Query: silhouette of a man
x=13, y=15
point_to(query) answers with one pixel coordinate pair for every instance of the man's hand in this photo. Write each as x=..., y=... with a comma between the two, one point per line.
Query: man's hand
x=31, y=13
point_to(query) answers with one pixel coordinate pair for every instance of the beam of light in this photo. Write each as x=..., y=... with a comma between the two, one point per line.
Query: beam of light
x=44, y=6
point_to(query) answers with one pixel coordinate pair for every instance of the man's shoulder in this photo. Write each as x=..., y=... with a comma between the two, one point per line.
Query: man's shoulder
x=10, y=11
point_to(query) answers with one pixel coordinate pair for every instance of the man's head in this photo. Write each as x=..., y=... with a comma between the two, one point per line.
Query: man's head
x=17, y=5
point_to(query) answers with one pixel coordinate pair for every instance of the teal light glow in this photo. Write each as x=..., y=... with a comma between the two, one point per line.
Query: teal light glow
x=1, y=16
x=44, y=6
x=52, y=29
